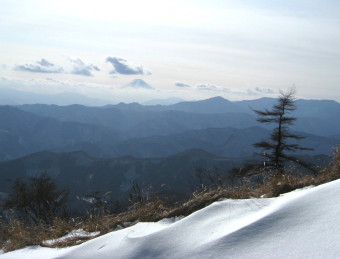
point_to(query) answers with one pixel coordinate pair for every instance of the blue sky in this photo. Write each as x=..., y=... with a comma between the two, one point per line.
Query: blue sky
x=189, y=49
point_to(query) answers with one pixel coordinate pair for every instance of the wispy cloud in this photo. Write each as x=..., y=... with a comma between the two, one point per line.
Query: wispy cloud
x=123, y=67
x=265, y=90
x=211, y=87
x=183, y=85
x=261, y=91
x=41, y=66
x=208, y=87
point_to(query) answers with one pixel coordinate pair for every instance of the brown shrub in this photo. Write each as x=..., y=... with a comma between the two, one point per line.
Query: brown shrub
x=19, y=235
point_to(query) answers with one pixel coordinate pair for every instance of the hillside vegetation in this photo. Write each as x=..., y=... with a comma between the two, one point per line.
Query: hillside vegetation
x=18, y=234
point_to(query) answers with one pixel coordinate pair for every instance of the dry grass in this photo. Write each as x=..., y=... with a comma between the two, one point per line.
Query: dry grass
x=17, y=235
x=150, y=211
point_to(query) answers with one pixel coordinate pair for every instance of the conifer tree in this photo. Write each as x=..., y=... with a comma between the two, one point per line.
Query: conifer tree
x=276, y=148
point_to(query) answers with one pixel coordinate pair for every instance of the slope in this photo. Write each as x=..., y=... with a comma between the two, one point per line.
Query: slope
x=300, y=224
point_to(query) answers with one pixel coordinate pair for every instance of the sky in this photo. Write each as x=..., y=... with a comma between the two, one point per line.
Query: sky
x=181, y=48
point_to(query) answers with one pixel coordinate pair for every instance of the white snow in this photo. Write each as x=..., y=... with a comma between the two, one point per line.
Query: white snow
x=300, y=224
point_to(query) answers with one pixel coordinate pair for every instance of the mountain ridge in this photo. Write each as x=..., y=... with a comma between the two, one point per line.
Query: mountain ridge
x=85, y=174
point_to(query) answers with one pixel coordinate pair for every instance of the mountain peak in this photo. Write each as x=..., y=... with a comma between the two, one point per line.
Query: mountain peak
x=138, y=84
x=217, y=99
x=212, y=105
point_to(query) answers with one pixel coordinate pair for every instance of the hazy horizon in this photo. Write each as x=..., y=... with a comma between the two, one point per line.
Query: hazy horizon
x=188, y=49
x=19, y=97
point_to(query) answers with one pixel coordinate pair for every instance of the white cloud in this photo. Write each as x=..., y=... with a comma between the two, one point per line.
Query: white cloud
x=80, y=68
x=183, y=85
x=41, y=66
x=212, y=88
x=123, y=67
x=265, y=90
x=74, y=66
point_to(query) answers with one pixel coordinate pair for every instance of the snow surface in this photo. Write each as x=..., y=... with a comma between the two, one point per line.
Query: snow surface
x=301, y=224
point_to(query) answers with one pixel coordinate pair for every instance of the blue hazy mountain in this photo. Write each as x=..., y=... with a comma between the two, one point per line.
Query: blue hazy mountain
x=317, y=117
x=16, y=97
x=166, y=101
x=160, y=130
x=209, y=106
x=22, y=133
x=134, y=122
x=226, y=142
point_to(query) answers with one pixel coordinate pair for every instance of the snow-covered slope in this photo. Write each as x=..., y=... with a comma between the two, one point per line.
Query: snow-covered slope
x=300, y=224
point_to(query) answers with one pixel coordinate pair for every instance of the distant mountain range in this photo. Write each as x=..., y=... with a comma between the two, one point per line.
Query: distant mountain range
x=134, y=122
x=209, y=106
x=314, y=116
x=111, y=147
x=22, y=133
x=226, y=142
x=15, y=97
x=166, y=101
x=216, y=125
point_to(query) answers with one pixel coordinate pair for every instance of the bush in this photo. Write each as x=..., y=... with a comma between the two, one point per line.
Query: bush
x=37, y=201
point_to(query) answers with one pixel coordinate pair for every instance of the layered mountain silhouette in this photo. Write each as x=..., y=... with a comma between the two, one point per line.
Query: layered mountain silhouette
x=318, y=117
x=84, y=174
x=22, y=133
x=216, y=125
x=112, y=147
x=226, y=142
x=10, y=96
x=142, y=123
